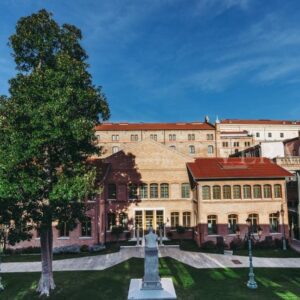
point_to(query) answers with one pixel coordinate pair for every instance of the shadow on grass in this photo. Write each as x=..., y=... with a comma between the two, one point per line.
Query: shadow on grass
x=190, y=283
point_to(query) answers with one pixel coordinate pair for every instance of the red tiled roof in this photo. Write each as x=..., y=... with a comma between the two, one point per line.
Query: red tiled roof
x=154, y=126
x=262, y=122
x=236, y=167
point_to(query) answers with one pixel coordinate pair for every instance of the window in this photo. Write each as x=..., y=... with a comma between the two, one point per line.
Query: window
x=237, y=193
x=98, y=137
x=86, y=228
x=139, y=219
x=153, y=137
x=115, y=149
x=257, y=134
x=254, y=221
x=192, y=149
x=144, y=191
x=274, y=222
x=226, y=192
x=206, y=192
x=164, y=190
x=172, y=137
x=267, y=191
x=173, y=147
x=153, y=190
x=225, y=144
x=232, y=223
x=281, y=134
x=111, y=220
x=185, y=190
x=123, y=220
x=209, y=137
x=236, y=144
x=174, y=219
x=216, y=192
x=112, y=191
x=277, y=191
x=191, y=137
x=159, y=217
x=247, y=191
x=210, y=149
x=257, y=191
x=134, y=137
x=115, y=137
x=212, y=224
x=269, y=134
x=64, y=229
x=186, y=219
x=132, y=191
x=247, y=144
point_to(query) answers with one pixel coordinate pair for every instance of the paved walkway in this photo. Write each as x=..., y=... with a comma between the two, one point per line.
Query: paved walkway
x=194, y=259
x=295, y=244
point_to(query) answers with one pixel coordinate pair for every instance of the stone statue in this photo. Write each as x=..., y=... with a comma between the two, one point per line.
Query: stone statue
x=151, y=278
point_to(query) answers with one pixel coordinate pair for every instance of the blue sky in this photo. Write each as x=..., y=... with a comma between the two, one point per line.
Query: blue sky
x=179, y=60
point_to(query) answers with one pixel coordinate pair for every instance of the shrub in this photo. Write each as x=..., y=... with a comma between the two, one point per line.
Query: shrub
x=30, y=250
x=84, y=248
x=208, y=245
x=128, y=235
x=180, y=230
x=169, y=234
x=237, y=244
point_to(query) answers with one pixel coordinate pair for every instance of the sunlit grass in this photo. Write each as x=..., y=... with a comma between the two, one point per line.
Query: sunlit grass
x=190, y=283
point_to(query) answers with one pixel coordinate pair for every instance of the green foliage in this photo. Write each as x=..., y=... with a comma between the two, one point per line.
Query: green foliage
x=47, y=127
x=117, y=231
x=180, y=230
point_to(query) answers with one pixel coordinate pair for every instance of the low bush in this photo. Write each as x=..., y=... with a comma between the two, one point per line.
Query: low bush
x=208, y=246
x=237, y=244
x=84, y=248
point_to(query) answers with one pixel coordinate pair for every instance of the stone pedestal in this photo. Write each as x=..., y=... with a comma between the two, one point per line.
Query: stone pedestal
x=136, y=292
x=151, y=286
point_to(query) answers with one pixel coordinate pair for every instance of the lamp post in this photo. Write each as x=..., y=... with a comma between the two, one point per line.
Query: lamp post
x=251, y=284
x=283, y=237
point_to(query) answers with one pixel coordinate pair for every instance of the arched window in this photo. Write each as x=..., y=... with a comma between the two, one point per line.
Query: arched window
x=153, y=190
x=86, y=227
x=226, y=192
x=254, y=221
x=186, y=219
x=274, y=222
x=232, y=223
x=267, y=191
x=210, y=149
x=144, y=191
x=212, y=224
x=115, y=149
x=174, y=219
x=247, y=191
x=185, y=190
x=237, y=193
x=112, y=191
x=132, y=191
x=191, y=149
x=257, y=191
x=206, y=192
x=216, y=192
x=164, y=190
x=277, y=191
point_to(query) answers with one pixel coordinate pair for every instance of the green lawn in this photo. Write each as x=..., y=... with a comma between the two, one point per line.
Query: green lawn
x=190, y=283
x=110, y=248
x=269, y=253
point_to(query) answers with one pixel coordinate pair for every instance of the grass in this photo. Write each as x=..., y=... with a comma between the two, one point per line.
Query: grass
x=269, y=253
x=190, y=283
x=110, y=248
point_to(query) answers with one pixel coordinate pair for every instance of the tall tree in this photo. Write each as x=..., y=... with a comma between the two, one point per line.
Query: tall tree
x=47, y=131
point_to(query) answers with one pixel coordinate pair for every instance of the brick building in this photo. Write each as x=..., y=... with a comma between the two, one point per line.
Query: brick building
x=228, y=191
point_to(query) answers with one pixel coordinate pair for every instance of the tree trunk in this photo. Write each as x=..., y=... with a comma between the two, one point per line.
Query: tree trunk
x=46, y=282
